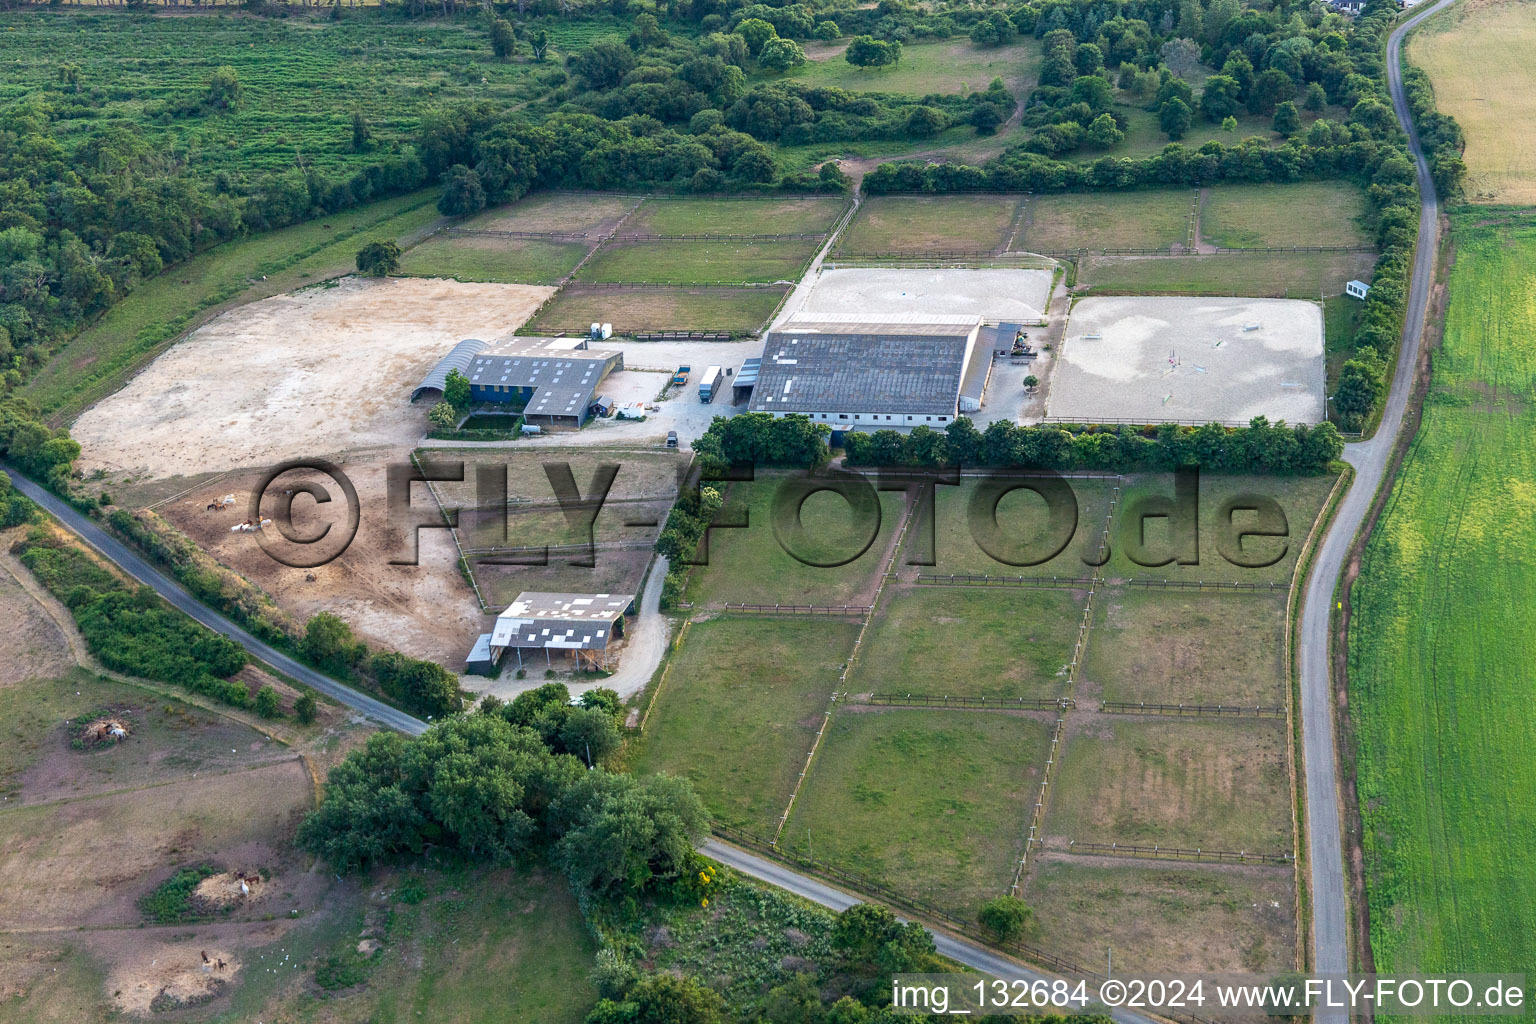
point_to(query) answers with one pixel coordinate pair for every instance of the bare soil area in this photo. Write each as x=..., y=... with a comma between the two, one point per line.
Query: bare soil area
x=87, y=862
x=324, y=370
x=426, y=610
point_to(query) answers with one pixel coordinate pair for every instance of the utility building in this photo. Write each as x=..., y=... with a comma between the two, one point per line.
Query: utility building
x=864, y=372
x=584, y=625
x=552, y=380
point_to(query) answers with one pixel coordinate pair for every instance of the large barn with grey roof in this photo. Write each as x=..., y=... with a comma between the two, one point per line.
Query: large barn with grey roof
x=866, y=372
x=555, y=380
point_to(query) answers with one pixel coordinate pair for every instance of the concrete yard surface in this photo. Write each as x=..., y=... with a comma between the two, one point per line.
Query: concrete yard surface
x=1193, y=360
x=999, y=294
x=300, y=375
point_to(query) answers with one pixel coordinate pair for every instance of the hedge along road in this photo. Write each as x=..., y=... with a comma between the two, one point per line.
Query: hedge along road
x=1370, y=459
x=134, y=565
x=971, y=954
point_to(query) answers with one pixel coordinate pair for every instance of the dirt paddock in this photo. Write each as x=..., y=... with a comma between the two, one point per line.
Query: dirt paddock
x=298, y=375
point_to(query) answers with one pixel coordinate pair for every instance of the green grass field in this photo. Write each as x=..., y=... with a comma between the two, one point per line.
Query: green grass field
x=1017, y=642
x=965, y=542
x=1300, y=498
x=740, y=709
x=98, y=359
x=302, y=77
x=729, y=310
x=1274, y=275
x=487, y=258
x=942, y=67
x=706, y=216
x=1109, y=220
x=1165, y=919
x=1441, y=634
x=923, y=223
x=485, y=946
x=932, y=803
x=1205, y=783
x=1298, y=213
x=679, y=262
x=591, y=213
x=752, y=566
x=1187, y=647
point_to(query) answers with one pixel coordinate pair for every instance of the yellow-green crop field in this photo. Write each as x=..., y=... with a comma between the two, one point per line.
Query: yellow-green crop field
x=1442, y=635
x=1478, y=55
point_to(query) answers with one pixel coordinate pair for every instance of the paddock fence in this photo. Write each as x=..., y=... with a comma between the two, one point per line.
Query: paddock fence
x=1176, y=853
x=1130, y=707
x=929, y=700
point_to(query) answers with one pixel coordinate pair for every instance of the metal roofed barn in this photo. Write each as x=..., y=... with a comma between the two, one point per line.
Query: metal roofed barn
x=856, y=371
x=583, y=624
x=554, y=379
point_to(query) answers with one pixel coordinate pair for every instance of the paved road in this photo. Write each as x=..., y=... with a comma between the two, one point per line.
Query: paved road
x=1330, y=931
x=137, y=567
x=971, y=954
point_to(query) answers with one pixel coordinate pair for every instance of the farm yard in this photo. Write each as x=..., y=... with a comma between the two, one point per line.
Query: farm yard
x=1478, y=57
x=1441, y=630
x=340, y=358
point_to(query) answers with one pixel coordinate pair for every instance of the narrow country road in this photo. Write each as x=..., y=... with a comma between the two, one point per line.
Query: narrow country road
x=1370, y=459
x=136, y=566
x=963, y=951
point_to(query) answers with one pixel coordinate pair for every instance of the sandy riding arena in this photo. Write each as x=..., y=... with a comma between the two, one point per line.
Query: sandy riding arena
x=1148, y=359
x=317, y=372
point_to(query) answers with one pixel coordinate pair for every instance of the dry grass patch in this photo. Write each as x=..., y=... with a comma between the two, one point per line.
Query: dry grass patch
x=1197, y=783
x=971, y=641
x=1164, y=919
x=1188, y=647
x=86, y=862
x=922, y=223
x=1107, y=220
x=632, y=311
x=931, y=803
x=565, y=212
x=1478, y=55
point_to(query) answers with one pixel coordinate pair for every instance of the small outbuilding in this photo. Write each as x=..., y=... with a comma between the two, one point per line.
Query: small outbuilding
x=584, y=625
x=1357, y=289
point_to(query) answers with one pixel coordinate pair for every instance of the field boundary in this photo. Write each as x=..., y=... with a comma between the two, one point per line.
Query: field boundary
x=1042, y=798
x=1127, y=707
x=924, y=700
x=885, y=576
x=1113, y=849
